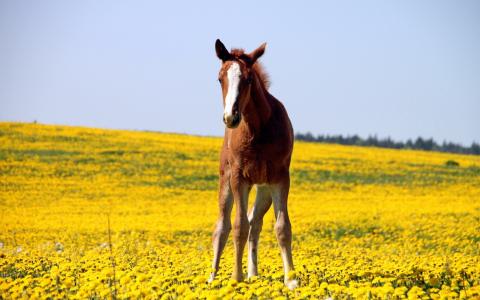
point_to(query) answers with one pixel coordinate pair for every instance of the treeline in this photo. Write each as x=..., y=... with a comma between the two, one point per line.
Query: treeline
x=419, y=143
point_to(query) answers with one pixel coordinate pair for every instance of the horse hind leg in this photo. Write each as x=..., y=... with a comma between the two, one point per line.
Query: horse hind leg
x=283, y=230
x=263, y=201
x=223, y=226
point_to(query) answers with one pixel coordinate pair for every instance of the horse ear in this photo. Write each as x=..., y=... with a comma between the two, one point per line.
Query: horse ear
x=222, y=52
x=255, y=54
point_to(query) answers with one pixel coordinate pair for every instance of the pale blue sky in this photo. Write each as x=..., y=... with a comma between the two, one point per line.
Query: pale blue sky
x=391, y=68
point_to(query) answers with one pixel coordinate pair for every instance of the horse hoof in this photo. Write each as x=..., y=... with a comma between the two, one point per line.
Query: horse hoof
x=212, y=277
x=291, y=284
x=237, y=277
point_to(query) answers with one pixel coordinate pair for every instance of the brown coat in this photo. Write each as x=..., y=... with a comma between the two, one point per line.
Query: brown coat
x=256, y=151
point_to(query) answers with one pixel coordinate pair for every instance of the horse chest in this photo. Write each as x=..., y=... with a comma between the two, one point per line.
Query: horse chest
x=253, y=166
x=256, y=171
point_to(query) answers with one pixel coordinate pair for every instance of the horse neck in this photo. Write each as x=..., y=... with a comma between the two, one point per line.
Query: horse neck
x=258, y=110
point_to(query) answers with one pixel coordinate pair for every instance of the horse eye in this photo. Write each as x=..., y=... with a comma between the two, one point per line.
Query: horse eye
x=220, y=80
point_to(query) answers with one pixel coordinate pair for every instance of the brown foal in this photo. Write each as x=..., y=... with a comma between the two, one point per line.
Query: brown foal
x=257, y=149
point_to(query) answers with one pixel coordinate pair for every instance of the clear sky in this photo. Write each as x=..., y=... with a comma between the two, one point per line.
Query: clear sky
x=393, y=68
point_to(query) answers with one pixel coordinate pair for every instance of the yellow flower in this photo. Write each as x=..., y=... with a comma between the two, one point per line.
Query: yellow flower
x=79, y=203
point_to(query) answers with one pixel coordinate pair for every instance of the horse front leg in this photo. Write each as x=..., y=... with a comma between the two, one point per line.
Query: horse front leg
x=283, y=229
x=240, y=191
x=223, y=226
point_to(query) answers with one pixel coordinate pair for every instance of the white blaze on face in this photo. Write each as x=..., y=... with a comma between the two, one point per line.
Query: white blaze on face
x=233, y=75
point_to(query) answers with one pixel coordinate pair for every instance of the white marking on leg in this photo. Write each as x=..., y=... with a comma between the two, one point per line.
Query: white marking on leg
x=233, y=75
x=283, y=227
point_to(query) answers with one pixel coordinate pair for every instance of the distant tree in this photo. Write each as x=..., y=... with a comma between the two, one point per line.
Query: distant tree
x=409, y=144
x=475, y=148
x=372, y=140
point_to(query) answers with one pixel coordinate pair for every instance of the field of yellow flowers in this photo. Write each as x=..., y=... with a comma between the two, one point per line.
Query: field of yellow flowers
x=90, y=213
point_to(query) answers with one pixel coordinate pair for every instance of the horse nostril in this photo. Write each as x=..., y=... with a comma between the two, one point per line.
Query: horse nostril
x=236, y=119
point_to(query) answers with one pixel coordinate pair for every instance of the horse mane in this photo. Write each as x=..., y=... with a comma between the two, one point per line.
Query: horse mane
x=257, y=67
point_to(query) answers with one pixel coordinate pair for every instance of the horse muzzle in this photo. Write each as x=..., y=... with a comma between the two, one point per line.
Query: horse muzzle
x=232, y=120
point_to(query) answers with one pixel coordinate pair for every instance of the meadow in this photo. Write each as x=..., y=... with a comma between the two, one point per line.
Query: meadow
x=95, y=214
